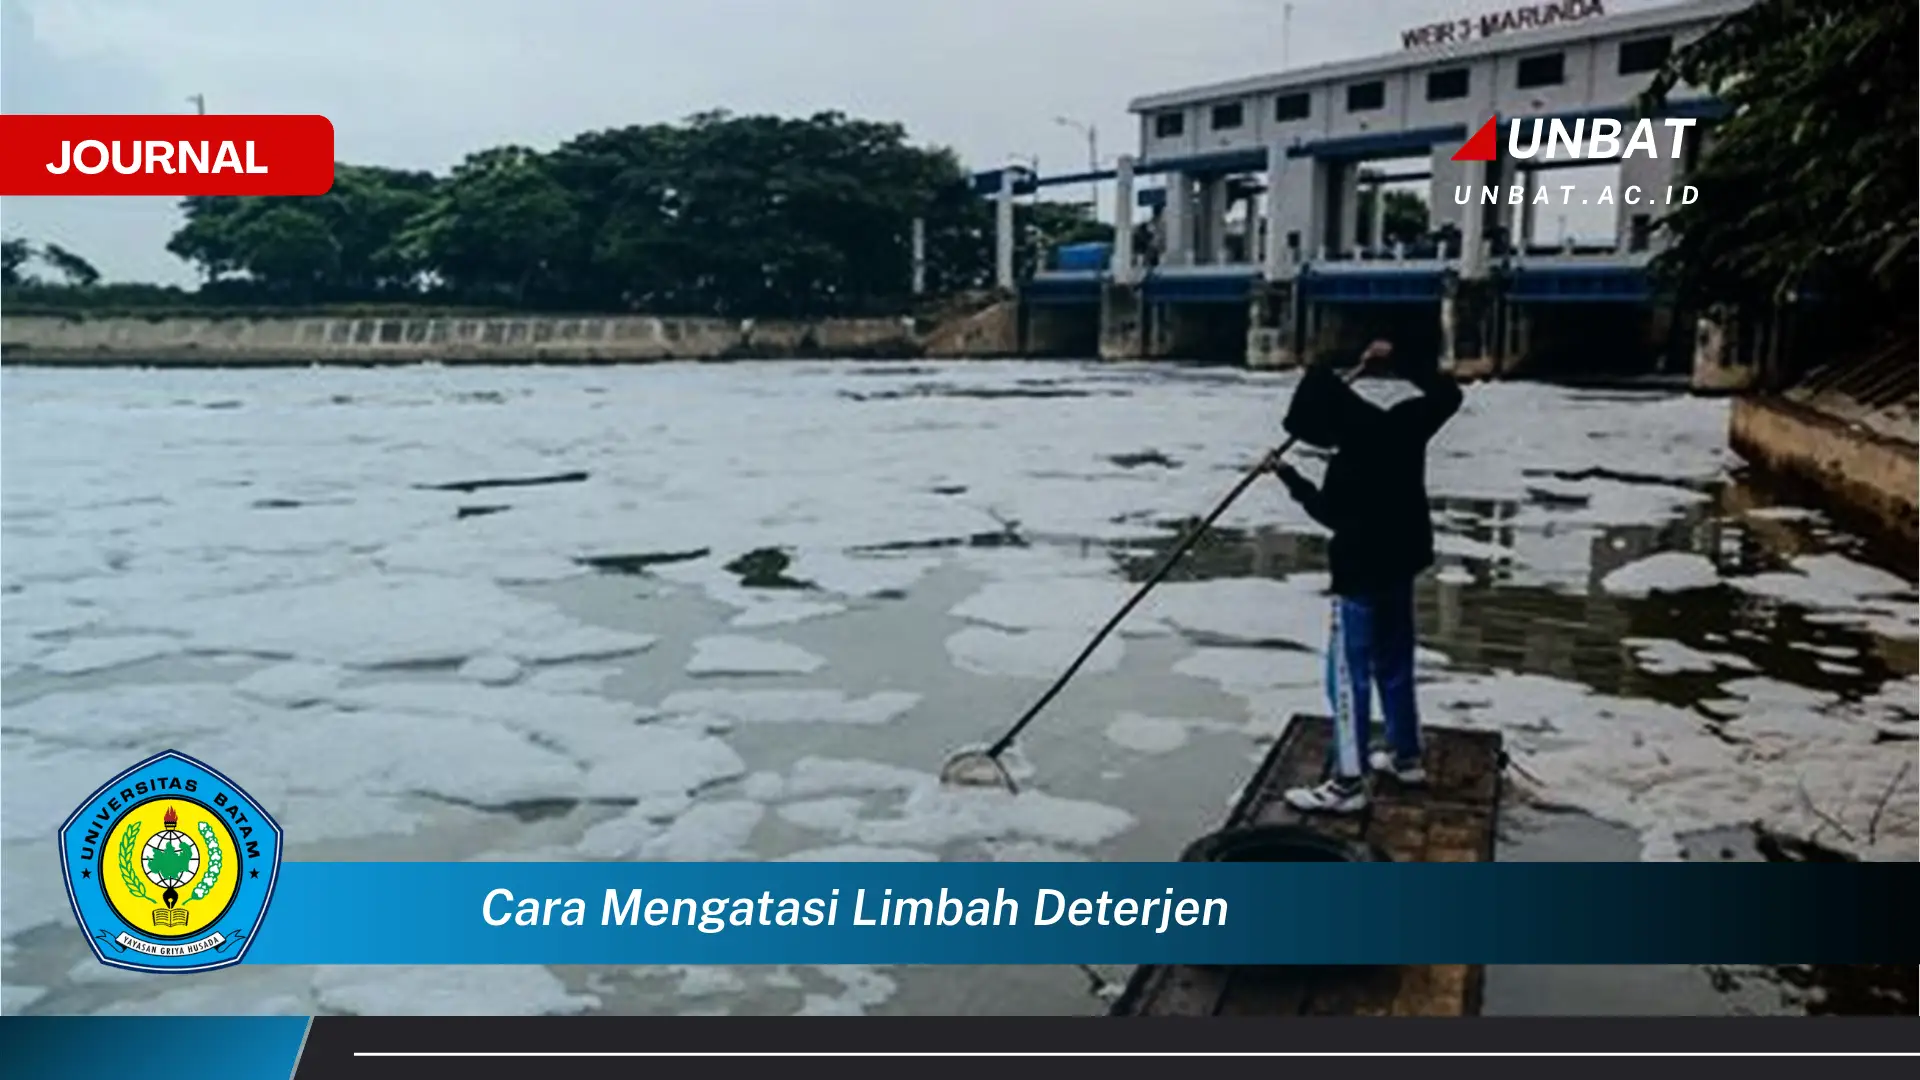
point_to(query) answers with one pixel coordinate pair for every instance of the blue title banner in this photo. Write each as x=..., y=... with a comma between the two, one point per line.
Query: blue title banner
x=1107, y=913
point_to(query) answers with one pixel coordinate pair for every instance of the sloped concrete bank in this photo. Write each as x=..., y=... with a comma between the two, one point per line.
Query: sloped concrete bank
x=371, y=341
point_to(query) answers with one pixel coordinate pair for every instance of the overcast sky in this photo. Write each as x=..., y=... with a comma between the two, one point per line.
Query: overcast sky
x=421, y=83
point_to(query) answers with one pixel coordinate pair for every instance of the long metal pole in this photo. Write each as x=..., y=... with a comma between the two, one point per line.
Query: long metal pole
x=1093, y=166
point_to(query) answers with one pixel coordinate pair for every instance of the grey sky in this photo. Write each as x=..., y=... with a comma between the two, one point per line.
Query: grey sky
x=421, y=83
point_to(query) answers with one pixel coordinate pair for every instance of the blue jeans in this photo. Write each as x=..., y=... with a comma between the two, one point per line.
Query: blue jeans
x=1369, y=645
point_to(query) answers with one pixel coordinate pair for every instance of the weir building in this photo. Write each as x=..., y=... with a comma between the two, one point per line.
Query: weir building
x=1270, y=219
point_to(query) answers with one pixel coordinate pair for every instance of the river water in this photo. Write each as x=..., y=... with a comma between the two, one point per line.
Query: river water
x=744, y=611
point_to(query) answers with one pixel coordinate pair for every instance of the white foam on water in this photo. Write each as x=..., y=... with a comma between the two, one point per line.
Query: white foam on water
x=790, y=706
x=1786, y=758
x=731, y=655
x=572, y=678
x=859, y=853
x=1029, y=654
x=861, y=988
x=31, y=901
x=709, y=832
x=16, y=999
x=620, y=838
x=90, y=654
x=130, y=720
x=492, y=670
x=1243, y=671
x=763, y=786
x=860, y=575
x=814, y=776
x=279, y=995
x=1246, y=609
x=1667, y=572
x=1076, y=605
x=1452, y=574
x=773, y=613
x=934, y=817
x=1147, y=734
x=654, y=760
x=1839, y=591
x=466, y=990
x=839, y=813
x=1658, y=656
x=930, y=816
x=1772, y=693
x=310, y=818
x=522, y=706
x=292, y=684
x=371, y=621
x=549, y=642
x=707, y=981
x=1029, y=851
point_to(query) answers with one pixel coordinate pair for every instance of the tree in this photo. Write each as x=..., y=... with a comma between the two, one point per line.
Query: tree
x=289, y=250
x=500, y=226
x=719, y=214
x=78, y=271
x=1808, y=184
x=15, y=252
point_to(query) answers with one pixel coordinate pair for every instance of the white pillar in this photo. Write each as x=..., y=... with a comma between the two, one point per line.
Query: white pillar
x=1003, y=232
x=1378, y=236
x=1276, y=230
x=1350, y=211
x=1214, y=216
x=919, y=256
x=1123, y=221
x=1473, y=234
x=1177, y=220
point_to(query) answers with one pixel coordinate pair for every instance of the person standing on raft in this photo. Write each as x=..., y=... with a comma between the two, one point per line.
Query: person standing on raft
x=1374, y=500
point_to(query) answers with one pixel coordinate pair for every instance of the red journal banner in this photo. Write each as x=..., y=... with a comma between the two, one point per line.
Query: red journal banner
x=165, y=155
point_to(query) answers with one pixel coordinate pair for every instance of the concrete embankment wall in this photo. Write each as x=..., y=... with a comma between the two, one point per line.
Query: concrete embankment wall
x=1865, y=476
x=277, y=340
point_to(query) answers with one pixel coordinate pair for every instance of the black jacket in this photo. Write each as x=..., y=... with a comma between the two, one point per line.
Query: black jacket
x=1374, y=496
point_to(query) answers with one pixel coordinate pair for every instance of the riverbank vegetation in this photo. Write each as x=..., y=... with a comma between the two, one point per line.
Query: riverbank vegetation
x=1809, y=214
x=718, y=215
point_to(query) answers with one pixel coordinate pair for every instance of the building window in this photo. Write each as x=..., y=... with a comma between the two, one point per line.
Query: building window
x=1447, y=85
x=1646, y=54
x=1550, y=70
x=1366, y=96
x=1169, y=125
x=1292, y=107
x=1228, y=117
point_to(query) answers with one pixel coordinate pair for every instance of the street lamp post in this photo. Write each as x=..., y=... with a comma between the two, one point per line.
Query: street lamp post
x=1093, y=161
x=199, y=103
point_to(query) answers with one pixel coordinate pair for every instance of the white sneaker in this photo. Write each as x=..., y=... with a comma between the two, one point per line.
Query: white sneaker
x=1383, y=761
x=1328, y=798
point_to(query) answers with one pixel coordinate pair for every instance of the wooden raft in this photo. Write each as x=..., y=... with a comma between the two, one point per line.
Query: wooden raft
x=1452, y=819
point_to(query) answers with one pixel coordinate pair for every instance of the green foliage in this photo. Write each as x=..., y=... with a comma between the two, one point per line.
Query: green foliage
x=78, y=271
x=130, y=876
x=1809, y=184
x=14, y=254
x=719, y=215
x=17, y=252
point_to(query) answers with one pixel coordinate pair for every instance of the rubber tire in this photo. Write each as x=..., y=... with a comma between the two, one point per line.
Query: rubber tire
x=1279, y=843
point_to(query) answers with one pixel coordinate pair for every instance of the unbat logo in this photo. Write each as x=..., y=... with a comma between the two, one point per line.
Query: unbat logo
x=1606, y=140
x=170, y=867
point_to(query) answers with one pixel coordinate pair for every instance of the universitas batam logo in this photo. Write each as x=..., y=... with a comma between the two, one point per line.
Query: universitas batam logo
x=170, y=867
